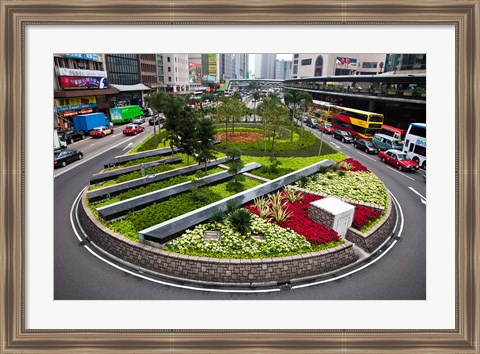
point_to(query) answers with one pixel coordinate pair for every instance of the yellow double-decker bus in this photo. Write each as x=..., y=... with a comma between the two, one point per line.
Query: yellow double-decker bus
x=322, y=111
x=361, y=124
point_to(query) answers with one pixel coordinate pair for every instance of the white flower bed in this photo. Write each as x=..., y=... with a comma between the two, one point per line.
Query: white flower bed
x=277, y=241
x=361, y=186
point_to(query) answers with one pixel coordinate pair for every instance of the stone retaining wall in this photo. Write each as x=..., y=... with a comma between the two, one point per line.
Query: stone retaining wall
x=261, y=270
x=370, y=240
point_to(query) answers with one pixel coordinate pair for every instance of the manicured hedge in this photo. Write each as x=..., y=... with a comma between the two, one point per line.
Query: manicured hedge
x=288, y=164
x=151, y=188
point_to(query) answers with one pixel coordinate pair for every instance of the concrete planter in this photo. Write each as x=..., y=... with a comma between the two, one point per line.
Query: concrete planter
x=239, y=272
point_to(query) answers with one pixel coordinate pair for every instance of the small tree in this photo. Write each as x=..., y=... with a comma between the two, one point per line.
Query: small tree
x=205, y=134
x=236, y=165
x=184, y=136
x=275, y=116
x=230, y=110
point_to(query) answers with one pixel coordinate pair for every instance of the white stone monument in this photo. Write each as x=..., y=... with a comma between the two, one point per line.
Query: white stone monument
x=333, y=213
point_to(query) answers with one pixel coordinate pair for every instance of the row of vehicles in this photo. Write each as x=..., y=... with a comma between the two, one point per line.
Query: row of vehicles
x=353, y=125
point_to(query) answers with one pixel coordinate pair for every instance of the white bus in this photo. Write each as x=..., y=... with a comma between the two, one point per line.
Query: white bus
x=416, y=143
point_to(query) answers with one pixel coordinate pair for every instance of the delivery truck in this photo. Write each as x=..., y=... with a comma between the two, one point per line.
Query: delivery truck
x=125, y=114
x=86, y=122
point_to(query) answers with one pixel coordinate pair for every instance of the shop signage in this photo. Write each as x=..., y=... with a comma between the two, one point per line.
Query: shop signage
x=75, y=103
x=80, y=72
x=93, y=57
x=77, y=82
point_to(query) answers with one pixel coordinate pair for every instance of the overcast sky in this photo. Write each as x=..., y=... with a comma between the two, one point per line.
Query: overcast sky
x=251, y=60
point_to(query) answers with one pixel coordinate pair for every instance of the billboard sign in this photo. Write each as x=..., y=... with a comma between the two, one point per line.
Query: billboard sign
x=194, y=72
x=80, y=82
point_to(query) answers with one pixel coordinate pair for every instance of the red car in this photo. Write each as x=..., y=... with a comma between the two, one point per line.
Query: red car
x=398, y=159
x=100, y=132
x=326, y=128
x=133, y=129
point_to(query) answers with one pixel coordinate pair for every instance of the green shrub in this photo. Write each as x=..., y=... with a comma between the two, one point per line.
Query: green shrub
x=241, y=220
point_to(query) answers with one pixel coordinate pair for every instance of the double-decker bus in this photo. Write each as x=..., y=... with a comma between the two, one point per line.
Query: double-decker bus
x=322, y=111
x=361, y=124
x=392, y=131
x=415, y=145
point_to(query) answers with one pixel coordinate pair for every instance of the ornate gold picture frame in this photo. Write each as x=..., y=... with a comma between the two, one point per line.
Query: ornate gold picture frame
x=17, y=15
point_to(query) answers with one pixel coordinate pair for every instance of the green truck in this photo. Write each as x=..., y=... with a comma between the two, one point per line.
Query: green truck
x=125, y=114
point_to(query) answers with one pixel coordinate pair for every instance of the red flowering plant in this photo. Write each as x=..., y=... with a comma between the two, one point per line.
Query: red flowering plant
x=363, y=215
x=315, y=233
x=352, y=166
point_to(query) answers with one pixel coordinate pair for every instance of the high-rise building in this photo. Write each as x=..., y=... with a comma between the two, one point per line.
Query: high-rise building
x=175, y=71
x=80, y=86
x=406, y=63
x=239, y=66
x=333, y=64
x=224, y=68
x=265, y=66
x=148, y=69
x=123, y=69
x=283, y=69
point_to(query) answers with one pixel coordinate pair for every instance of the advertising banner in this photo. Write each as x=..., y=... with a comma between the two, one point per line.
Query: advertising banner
x=212, y=64
x=75, y=103
x=195, y=72
x=77, y=82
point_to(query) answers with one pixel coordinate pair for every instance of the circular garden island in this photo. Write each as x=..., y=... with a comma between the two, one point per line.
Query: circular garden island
x=161, y=213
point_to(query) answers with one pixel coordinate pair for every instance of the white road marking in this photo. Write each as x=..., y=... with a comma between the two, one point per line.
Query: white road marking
x=424, y=200
x=400, y=173
x=366, y=265
x=126, y=147
x=76, y=202
x=371, y=158
x=92, y=157
x=92, y=144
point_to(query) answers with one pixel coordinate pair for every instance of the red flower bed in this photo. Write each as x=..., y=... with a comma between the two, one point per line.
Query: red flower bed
x=356, y=166
x=363, y=215
x=241, y=137
x=314, y=233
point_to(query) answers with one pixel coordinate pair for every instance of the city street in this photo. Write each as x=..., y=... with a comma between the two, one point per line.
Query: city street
x=81, y=273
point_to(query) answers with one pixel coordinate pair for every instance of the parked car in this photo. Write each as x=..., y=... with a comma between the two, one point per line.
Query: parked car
x=138, y=120
x=343, y=136
x=100, y=132
x=365, y=145
x=133, y=129
x=326, y=128
x=63, y=157
x=157, y=119
x=311, y=122
x=70, y=136
x=398, y=159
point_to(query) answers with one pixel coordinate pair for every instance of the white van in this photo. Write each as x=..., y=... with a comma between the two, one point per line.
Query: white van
x=385, y=142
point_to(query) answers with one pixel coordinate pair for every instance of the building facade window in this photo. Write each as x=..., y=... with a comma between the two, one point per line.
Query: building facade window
x=306, y=62
x=319, y=66
x=369, y=65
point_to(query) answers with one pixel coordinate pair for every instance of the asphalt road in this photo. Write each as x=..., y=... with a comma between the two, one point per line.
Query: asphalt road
x=80, y=274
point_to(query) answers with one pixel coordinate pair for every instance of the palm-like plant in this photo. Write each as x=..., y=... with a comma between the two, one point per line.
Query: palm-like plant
x=291, y=194
x=241, y=220
x=294, y=98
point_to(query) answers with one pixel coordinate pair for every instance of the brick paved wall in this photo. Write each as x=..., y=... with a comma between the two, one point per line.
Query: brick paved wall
x=281, y=269
x=370, y=240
